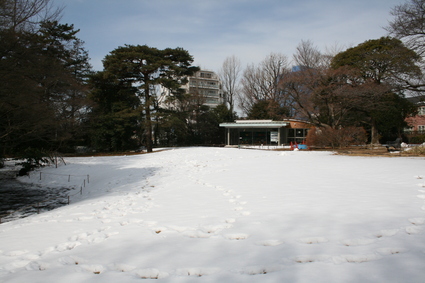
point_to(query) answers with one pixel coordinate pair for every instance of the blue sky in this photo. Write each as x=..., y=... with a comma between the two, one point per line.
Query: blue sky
x=212, y=30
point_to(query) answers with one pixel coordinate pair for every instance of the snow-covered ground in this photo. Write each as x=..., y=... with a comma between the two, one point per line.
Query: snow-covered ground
x=225, y=215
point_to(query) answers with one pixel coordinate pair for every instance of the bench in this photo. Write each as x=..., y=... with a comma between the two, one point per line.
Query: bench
x=394, y=144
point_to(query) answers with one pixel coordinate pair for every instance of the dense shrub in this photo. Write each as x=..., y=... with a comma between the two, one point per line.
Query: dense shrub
x=329, y=137
x=417, y=139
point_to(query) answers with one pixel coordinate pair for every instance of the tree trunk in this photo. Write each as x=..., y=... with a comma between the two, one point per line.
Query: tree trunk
x=374, y=139
x=148, y=122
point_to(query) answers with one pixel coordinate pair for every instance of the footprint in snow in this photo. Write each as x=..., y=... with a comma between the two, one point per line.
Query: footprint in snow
x=355, y=258
x=391, y=251
x=386, y=233
x=123, y=267
x=236, y=236
x=310, y=258
x=414, y=230
x=314, y=240
x=93, y=268
x=269, y=243
x=16, y=253
x=258, y=270
x=358, y=242
x=37, y=265
x=417, y=221
x=197, y=272
x=150, y=273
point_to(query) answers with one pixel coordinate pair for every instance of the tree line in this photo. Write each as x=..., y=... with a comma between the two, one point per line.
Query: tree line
x=51, y=99
x=364, y=86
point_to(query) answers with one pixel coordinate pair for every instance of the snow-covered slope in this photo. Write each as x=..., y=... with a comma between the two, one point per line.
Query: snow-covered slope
x=226, y=215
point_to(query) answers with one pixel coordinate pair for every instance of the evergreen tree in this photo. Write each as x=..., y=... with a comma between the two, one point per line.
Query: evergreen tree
x=384, y=66
x=147, y=68
x=114, y=115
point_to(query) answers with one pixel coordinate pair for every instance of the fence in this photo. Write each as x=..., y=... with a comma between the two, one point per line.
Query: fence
x=37, y=205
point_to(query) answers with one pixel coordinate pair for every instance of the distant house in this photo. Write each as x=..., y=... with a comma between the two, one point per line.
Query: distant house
x=266, y=132
x=416, y=124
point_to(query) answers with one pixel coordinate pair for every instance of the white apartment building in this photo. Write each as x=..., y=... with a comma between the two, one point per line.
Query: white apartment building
x=207, y=85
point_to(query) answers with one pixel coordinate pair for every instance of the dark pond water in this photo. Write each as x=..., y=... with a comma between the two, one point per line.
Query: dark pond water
x=18, y=200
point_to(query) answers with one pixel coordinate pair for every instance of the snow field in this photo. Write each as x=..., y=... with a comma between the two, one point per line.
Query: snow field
x=227, y=215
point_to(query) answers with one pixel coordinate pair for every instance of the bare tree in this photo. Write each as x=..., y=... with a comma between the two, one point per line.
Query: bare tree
x=307, y=55
x=229, y=75
x=261, y=82
x=409, y=24
x=26, y=14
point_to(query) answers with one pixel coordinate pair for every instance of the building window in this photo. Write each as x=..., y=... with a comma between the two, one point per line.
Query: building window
x=297, y=135
x=205, y=75
x=408, y=130
x=421, y=110
x=421, y=128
